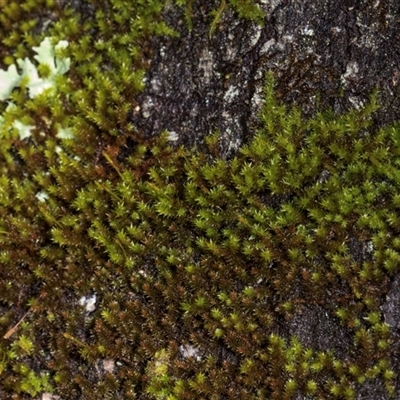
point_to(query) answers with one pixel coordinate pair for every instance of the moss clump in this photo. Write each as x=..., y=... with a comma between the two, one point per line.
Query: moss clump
x=197, y=262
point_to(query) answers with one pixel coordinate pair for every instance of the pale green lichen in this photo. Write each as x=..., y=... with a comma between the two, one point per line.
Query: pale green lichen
x=29, y=76
x=53, y=66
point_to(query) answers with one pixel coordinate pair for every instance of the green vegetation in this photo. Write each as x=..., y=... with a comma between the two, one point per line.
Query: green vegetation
x=181, y=246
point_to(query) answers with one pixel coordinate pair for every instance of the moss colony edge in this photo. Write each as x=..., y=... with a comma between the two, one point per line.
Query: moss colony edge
x=142, y=270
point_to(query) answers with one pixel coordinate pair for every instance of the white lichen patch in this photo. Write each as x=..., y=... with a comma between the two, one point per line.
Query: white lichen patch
x=65, y=133
x=267, y=46
x=24, y=131
x=323, y=176
x=307, y=31
x=156, y=84
x=106, y=365
x=269, y=6
x=369, y=247
x=42, y=196
x=206, y=64
x=163, y=51
x=8, y=81
x=109, y=365
x=231, y=51
x=147, y=106
x=143, y=273
x=187, y=351
x=288, y=38
x=89, y=302
x=231, y=94
x=257, y=100
x=49, y=396
x=46, y=54
x=255, y=37
x=352, y=70
x=173, y=136
x=357, y=102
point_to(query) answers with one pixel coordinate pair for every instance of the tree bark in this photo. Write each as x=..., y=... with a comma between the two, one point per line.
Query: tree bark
x=325, y=54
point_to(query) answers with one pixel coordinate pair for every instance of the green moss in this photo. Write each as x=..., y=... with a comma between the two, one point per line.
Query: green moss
x=182, y=246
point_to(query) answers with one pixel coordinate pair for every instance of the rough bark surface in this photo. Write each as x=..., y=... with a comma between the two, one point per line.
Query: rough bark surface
x=324, y=54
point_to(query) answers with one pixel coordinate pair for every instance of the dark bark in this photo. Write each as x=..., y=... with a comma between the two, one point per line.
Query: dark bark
x=323, y=54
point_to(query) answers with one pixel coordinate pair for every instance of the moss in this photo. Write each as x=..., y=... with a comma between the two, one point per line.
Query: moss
x=181, y=246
